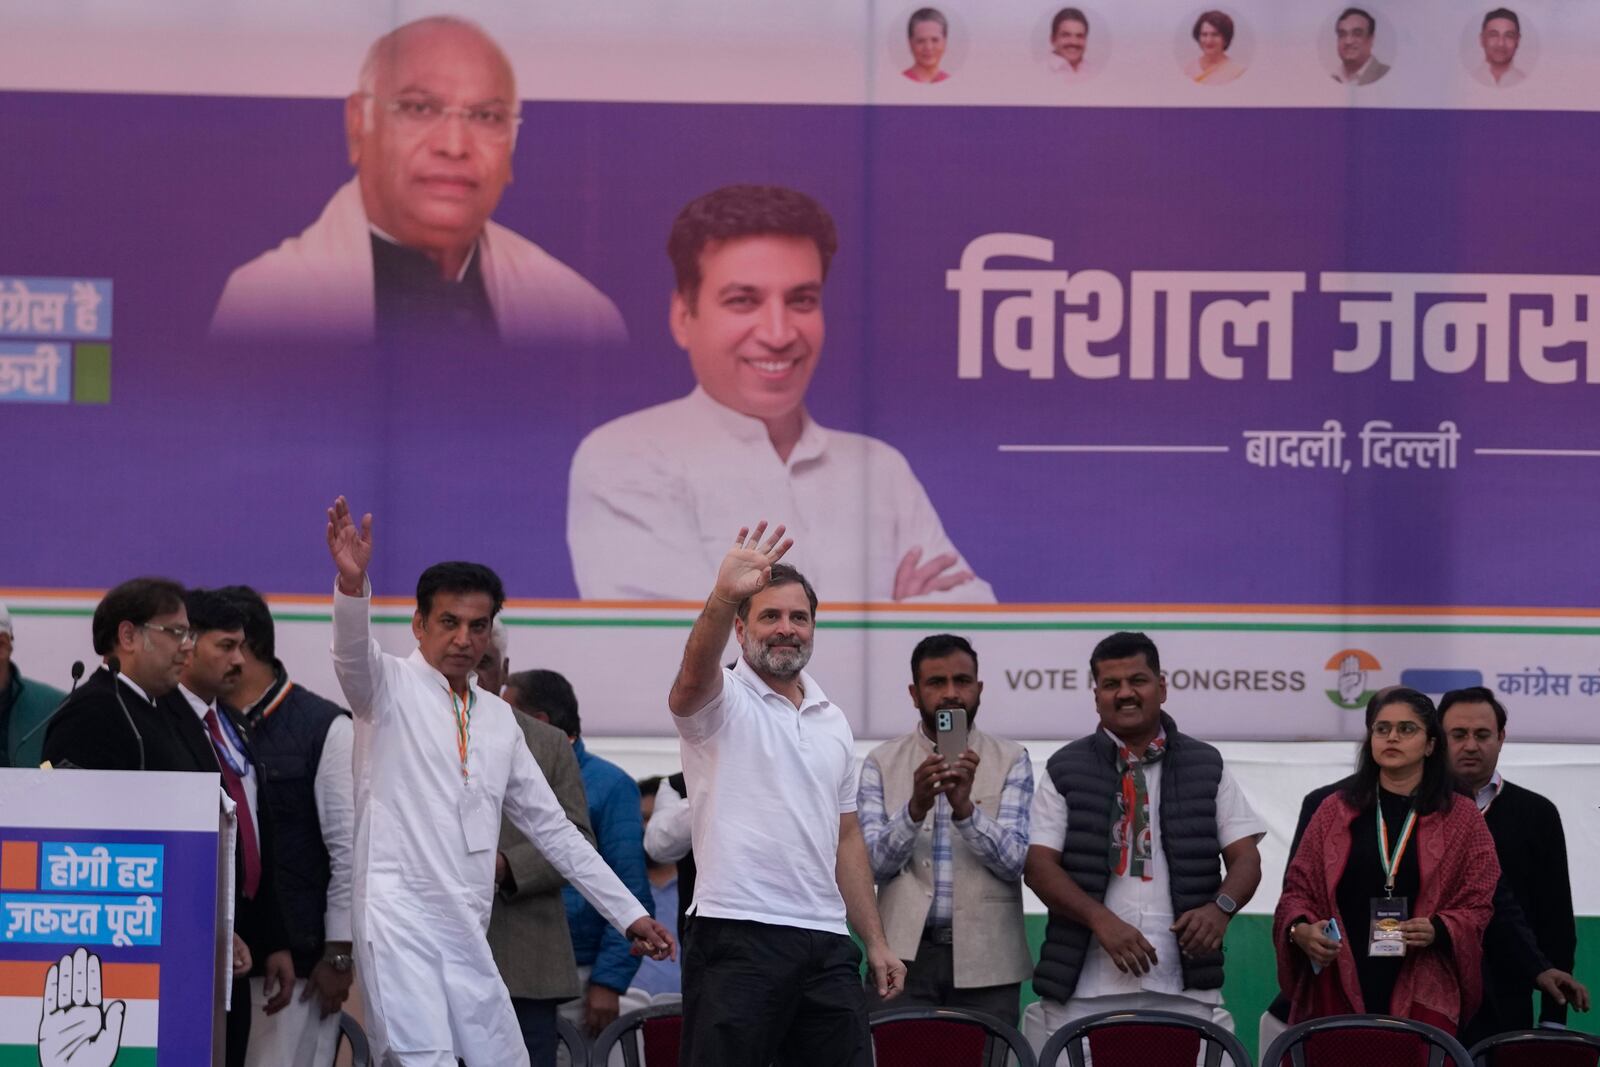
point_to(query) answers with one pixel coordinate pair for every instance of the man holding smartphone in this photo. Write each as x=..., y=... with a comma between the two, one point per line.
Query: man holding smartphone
x=950, y=885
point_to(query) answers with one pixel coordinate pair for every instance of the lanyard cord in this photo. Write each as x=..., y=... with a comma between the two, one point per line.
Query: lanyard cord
x=1391, y=860
x=463, y=714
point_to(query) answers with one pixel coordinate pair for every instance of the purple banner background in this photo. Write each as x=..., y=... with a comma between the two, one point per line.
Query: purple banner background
x=214, y=465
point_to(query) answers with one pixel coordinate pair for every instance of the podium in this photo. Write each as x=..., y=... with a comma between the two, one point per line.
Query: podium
x=111, y=888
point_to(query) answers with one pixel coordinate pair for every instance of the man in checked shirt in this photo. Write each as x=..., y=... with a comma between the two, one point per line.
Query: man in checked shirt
x=947, y=843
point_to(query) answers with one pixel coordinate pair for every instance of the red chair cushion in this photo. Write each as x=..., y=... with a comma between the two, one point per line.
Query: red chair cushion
x=927, y=1043
x=1366, y=1048
x=1144, y=1046
x=1543, y=1054
x=660, y=1037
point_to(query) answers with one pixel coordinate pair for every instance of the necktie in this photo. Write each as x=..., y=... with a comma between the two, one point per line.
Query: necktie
x=235, y=788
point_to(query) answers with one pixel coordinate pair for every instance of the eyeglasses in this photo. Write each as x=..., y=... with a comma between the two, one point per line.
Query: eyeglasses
x=422, y=113
x=1406, y=728
x=185, y=635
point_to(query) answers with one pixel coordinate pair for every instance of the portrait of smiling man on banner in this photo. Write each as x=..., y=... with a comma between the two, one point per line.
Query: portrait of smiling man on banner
x=653, y=493
x=406, y=249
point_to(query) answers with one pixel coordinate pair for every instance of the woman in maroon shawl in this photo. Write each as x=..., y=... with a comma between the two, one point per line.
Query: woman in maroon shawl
x=1397, y=838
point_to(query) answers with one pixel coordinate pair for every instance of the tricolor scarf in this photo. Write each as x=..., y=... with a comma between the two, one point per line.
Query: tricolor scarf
x=1130, y=834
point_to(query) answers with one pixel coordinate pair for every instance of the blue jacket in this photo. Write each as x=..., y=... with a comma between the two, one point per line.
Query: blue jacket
x=619, y=835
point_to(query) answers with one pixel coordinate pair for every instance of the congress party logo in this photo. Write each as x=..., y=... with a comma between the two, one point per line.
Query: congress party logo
x=1351, y=667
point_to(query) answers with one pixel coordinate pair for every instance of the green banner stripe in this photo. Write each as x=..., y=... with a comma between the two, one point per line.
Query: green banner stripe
x=28, y=1056
x=956, y=622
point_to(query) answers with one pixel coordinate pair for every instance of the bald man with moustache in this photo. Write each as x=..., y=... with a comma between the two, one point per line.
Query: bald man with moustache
x=406, y=250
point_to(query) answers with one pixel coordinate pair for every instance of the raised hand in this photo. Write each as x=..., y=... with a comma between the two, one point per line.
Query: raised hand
x=351, y=548
x=915, y=578
x=649, y=938
x=75, y=1031
x=747, y=568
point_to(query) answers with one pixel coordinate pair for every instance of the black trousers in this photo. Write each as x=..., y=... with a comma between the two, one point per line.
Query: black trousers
x=237, y=1027
x=755, y=994
x=931, y=983
x=538, y=1021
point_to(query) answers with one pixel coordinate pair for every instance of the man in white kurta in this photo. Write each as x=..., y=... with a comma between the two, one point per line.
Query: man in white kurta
x=426, y=827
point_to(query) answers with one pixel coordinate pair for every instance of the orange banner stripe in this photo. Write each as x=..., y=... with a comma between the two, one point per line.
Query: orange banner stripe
x=118, y=981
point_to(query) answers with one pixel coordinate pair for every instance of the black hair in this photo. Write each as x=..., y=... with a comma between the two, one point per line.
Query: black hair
x=550, y=693
x=649, y=787
x=137, y=600
x=1503, y=13
x=459, y=577
x=1438, y=783
x=936, y=645
x=1068, y=14
x=210, y=609
x=744, y=211
x=782, y=574
x=1121, y=645
x=1473, y=694
x=260, y=636
x=1372, y=23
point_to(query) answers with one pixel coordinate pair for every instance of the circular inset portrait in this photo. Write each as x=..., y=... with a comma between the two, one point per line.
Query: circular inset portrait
x=1360, y=49
x=1499, y=48
x=1215, y=48
x=926, y=42
x=1073, y=43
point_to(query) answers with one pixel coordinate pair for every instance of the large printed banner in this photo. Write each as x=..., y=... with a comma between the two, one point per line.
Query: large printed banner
x=1274, y=331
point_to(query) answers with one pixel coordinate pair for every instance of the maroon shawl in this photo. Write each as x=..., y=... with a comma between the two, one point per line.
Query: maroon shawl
x=1458, y=869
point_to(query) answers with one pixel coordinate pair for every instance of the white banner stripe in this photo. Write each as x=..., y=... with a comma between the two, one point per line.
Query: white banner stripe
x=19, y=1021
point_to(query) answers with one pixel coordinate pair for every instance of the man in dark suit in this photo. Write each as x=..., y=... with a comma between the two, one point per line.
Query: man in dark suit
x=1533, y=860
x=211, y=673
x=112, y=721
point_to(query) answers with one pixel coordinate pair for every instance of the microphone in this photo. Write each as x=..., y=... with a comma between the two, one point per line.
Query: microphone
x=114, y=665
x=77, y=673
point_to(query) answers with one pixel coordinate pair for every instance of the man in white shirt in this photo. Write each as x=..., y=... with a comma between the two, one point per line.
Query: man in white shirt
x=210, y=674
x=653, y=493
x=1123, y=851
x=437, y=761
x=1353, y=32
x=406, y=249
x=771, y=974
x=1500, y=38
x=1069, y=44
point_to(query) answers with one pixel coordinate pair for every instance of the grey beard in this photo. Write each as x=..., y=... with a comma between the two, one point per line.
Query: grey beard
x=782, y=661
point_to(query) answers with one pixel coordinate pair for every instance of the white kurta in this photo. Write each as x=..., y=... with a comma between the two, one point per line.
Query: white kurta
x=655, y=495
x=422, y=901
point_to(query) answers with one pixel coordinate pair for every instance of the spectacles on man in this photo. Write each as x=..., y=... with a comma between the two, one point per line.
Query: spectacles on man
x=1406, y=728
x=184, y=635
x=423, y=113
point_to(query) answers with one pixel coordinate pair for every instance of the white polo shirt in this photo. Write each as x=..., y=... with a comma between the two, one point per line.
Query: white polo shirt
x=767, y=784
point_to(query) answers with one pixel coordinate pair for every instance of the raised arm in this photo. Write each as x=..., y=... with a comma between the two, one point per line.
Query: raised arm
x=745, y=571
x=357, y=659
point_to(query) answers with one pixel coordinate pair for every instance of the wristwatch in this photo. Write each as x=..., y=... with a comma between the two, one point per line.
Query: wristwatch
x=1226, y=903
x=341, y=962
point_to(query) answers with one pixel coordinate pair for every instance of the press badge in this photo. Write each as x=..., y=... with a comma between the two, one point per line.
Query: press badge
x=480, y=820
x=1387, y=939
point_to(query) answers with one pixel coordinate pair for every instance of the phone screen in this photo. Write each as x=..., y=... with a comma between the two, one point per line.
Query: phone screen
x=950, y=732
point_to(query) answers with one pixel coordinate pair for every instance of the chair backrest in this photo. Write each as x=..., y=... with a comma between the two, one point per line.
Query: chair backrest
x=914, y=1037
x=350, y=1030
x=654, y=1031
x=576, y=1044
x=1365, y=1040
x=1538, y=1048
x=1144, y=1039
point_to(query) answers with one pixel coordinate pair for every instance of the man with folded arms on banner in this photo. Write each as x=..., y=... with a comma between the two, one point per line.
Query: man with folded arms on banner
x=771, y=974
x=406, y=249
x=948, y=835
x=437, y=762
x=1126, y=831
x=653, y=493
x=1532, y=849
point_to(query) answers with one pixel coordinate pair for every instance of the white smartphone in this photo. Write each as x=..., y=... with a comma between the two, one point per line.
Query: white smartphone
x=950, y=733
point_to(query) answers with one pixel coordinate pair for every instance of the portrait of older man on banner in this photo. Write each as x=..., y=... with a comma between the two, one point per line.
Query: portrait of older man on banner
x=406, y=249
x=653, y=492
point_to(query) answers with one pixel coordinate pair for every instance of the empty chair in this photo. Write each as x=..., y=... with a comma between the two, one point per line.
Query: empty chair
x=945, y=1037
x=1538, y=1048
x=1365, y=1041
x=1143, y=1039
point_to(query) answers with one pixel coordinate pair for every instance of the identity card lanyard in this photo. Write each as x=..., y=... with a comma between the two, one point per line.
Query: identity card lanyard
x=1391, y=860
x=463, y=713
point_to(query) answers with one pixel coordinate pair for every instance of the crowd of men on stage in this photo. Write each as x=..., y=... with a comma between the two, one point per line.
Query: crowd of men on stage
x=1137, y=838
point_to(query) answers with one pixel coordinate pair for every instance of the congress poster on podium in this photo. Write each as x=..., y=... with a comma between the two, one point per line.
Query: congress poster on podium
x=108, y=907
x=1266, y=328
